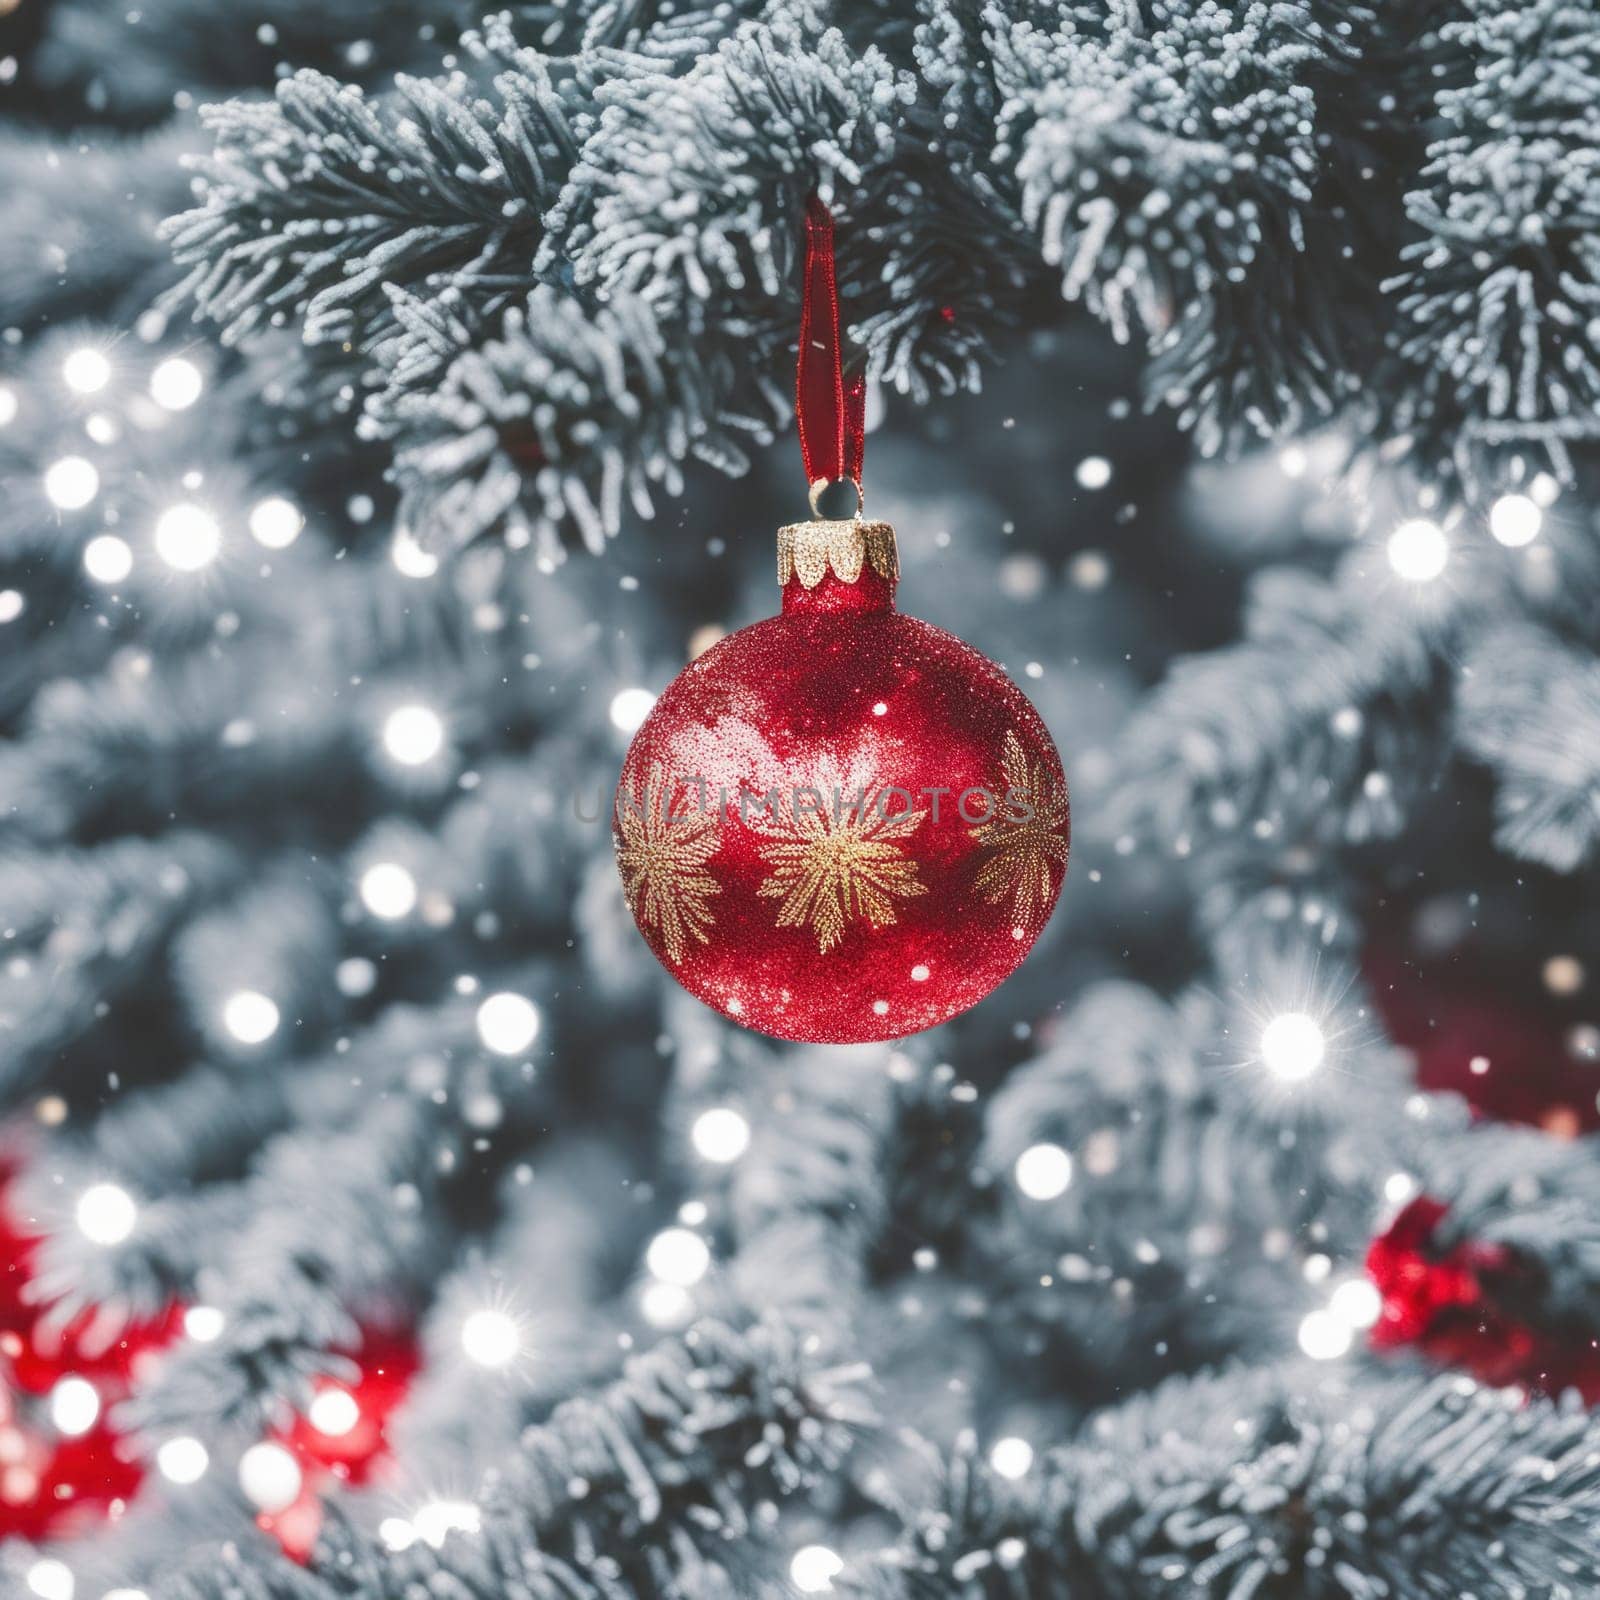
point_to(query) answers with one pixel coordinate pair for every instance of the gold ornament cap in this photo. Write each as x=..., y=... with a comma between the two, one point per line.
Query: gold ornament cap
x=806, y=550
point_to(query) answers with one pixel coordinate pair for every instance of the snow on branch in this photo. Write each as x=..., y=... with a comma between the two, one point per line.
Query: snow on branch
x=1171, y=174
x=1283, y=1482
x=341, y=1218
x=692, y=188
x=1136, y=1157
x=643, y=1488
x=314, y=201
x=1335, y=680
x=562, y=420
x=1205, y=173
x=1534, y=1196
x=1529, y=709
x=1499, y=297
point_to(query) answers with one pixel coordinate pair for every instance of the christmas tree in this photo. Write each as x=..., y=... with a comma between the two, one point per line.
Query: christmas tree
x=393, y=400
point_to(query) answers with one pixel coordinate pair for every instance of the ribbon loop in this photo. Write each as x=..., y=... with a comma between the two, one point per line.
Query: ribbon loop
x=830, y=407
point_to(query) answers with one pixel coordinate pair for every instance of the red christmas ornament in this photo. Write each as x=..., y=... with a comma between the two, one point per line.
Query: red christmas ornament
x=342, y=1443
x=840, y=824
x=63, y=1466
x=60, y=1472
x=353, y=1447
x=1448, y=1302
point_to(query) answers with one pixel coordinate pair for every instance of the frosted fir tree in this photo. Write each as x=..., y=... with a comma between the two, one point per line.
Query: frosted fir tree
x=377, y=1219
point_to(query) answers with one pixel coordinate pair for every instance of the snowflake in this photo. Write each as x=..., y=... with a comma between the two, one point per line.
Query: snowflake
x=663, y=844
x=836, y=862
x=1025, y=847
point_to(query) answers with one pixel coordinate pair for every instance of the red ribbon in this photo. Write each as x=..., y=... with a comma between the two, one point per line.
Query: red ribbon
x=830, y=408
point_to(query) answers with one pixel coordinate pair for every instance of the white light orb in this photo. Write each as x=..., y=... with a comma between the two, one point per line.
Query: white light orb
x=665, y=1305
x=107, y=559
x=1356, y=1302
x=721, y=1135
x=74, y=1406
x=176, y=384
x=276, y=522
x=250, y=1016
x=356, y=976
x=50, y=1579
x=1325, y=1337
x=333, y=1412
x=106, y=1214
x=1090, y=570
x=86, y=371
x=508, y=1023
x=183, y=1460
x=1515, y=520
x=409, y=557
x=1563, y=975
x=813, y=1568
x=1094, y=472
x=1544, y=489
x=397, y=1533
x=1399, y=1187
x=270, y=1477
x=491, y=1338
x=12, y=605
x=1418, y=550
x=413, y=735
x=71, y=483
x=629, y=708
x=1011, y=1457
x=388, y=890
x=678, y=1256
x=1292, y=1046
x=8, y=405
x=1043, y=1171
x=437, y=1520
x=204, y=1324
x=188, y=537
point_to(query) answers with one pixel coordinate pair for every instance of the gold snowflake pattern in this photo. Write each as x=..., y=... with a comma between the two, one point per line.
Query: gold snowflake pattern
x=836, y=863
x=1025, y=849
x=663, y=844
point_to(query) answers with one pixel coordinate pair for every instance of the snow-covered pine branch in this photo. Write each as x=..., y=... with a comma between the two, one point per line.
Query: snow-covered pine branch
x=1197, y=177
x=1273, y=1482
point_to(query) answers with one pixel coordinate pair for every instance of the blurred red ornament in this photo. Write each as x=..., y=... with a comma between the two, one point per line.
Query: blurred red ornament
x=841, y=824
x=342, y=1437
x=49, y=1351
x=18, y=1244
x=1421, y=1286
x=58, y=1486
x=343, y=1427
x=61, y=1468
x=1448, y=1302
x=1505, y=1049
x=62, y=1460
